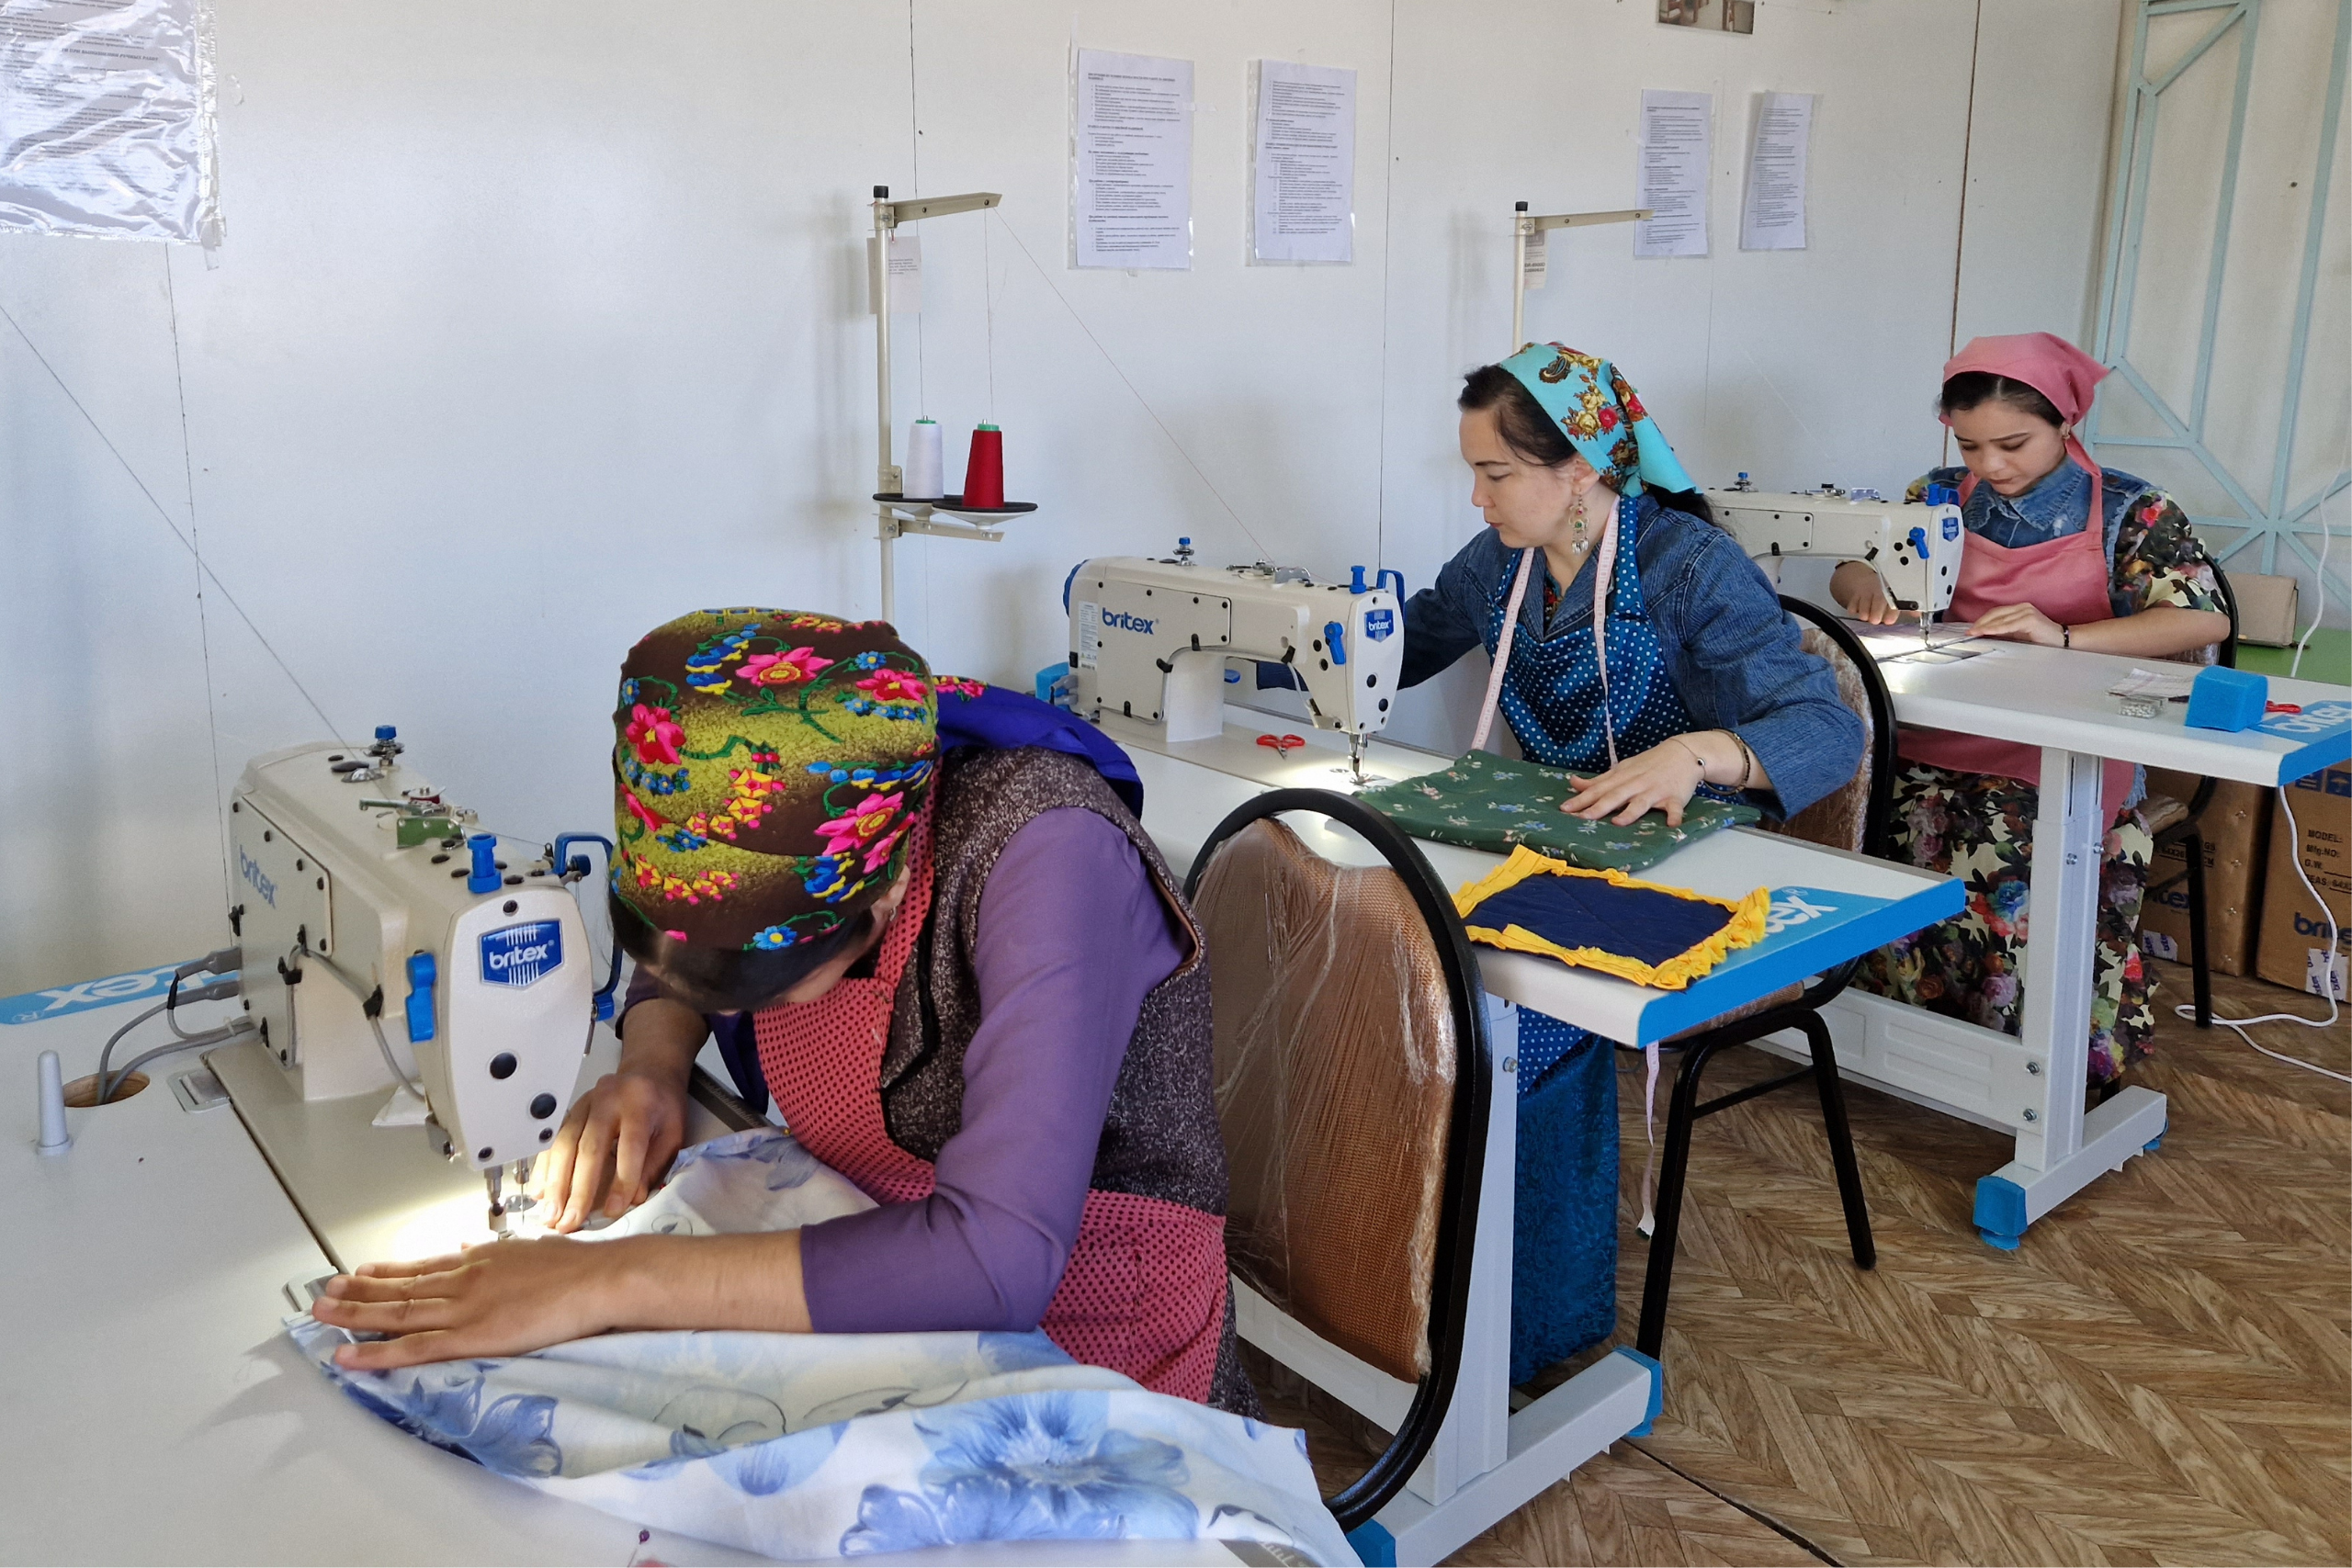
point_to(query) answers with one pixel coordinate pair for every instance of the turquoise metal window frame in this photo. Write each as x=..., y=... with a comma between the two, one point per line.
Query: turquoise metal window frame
x=2271, y=520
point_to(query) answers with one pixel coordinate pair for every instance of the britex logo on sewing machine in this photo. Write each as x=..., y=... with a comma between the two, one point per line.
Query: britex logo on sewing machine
x=250, y=870
x=518, y=955
x=1128, y=622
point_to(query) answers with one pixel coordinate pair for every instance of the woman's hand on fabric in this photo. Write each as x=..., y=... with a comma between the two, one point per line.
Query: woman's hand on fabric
x=1662, y=778
x=620, y=1137
x=502, y=1297
x=1863, y=592
x=2020, y=623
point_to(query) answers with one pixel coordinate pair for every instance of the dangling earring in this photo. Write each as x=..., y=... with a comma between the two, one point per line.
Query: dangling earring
x=1578, y=515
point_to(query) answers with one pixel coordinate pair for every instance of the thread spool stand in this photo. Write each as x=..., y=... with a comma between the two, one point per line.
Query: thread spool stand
x=898, y=515
x=1525, y=227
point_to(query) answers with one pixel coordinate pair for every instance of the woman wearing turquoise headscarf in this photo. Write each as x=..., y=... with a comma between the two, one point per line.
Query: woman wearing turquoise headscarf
x=1635, y=645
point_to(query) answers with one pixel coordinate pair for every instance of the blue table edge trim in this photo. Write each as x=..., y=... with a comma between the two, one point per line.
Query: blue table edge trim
x=2327, y=752
x=1675, y=1011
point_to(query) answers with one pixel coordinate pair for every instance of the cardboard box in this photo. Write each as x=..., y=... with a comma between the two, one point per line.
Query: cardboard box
x=2293, y=950
x=2266, y=608
x=2235, y=828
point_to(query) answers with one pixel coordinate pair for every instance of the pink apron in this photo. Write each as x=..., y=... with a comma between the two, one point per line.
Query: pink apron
x=1144, y=1292
x=2067, y=581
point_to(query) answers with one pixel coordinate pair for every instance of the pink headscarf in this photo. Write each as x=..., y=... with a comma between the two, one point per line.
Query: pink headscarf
x=2051, y=366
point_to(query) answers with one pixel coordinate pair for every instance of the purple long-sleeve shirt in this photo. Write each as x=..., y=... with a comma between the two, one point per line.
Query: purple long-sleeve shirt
x=1072, y=937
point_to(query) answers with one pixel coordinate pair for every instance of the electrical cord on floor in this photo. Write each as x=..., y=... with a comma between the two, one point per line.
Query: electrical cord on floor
x=2328, y=980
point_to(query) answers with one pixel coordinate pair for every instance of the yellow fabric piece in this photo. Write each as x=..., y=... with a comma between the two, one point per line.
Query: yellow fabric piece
x=1744, y=929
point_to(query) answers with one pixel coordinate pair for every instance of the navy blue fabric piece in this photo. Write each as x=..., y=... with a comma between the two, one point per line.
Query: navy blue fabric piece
x=1004, y=719
x=1564, y=1238
x=1584, y=911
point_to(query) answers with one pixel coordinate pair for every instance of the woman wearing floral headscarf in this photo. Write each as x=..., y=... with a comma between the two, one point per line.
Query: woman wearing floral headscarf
x=922, y=914
x=1635, y=645
x=2036, y=571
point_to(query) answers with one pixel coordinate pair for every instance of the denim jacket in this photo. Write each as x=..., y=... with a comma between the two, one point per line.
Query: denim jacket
x=1732, y=652
x=2058, y=504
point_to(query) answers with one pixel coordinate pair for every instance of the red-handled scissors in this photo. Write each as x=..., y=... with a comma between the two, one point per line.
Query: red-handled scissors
x=1280, y=744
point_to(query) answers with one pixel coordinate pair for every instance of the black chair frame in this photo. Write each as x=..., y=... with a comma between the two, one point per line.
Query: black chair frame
x=1803, y=1014
x=1465, y=1146
x=2191, y=839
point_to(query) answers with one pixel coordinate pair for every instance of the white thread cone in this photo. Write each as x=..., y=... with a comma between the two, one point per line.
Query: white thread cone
x=925, y=472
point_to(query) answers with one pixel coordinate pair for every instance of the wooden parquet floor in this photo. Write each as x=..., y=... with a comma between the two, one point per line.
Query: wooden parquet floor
x=2162, y=1374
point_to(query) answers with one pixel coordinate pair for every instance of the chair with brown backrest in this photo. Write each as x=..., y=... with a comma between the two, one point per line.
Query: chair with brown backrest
x=1856, y=817
x=1355, y=1085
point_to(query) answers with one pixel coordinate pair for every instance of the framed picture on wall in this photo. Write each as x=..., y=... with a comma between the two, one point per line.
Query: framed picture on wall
x=1713, y=15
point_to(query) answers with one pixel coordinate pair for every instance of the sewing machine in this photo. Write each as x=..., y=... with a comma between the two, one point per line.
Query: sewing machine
x=1149, y=642
x=390, y=948
x=1915, y=550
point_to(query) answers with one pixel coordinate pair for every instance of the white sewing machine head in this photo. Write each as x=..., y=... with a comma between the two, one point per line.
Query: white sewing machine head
x=1149, y=639
x=385, y=943
x=1915, y=550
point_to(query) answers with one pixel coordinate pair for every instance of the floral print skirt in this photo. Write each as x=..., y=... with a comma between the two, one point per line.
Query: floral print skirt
x=1979, y=827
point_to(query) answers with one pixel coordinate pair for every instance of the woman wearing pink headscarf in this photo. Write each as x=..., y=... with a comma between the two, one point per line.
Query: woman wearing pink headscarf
x=2036, y=569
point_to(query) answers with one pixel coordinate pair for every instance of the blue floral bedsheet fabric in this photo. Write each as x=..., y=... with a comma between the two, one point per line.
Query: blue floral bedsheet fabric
x=796, y=1445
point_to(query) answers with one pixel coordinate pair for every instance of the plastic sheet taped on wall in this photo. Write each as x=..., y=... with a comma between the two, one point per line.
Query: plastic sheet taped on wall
x=106, y=119
x=1335, y=1063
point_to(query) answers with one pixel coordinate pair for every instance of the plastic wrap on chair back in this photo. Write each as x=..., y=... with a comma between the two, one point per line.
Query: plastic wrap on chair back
x=1854, y=817
x=1336, y=1058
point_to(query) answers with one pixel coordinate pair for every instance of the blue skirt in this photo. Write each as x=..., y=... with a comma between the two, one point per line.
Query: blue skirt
x=1563, y=1253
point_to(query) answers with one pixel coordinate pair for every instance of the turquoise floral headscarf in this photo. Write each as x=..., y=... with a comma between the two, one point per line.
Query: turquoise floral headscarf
x=1603, y=418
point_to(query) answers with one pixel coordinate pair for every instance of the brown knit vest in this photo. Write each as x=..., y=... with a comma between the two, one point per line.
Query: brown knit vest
x=1161, y=1137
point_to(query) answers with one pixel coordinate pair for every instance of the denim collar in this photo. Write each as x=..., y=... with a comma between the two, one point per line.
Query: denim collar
x=2058, y=504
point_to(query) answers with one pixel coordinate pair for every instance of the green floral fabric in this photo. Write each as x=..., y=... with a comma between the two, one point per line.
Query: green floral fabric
x=1482, y=801
x=1979, y=827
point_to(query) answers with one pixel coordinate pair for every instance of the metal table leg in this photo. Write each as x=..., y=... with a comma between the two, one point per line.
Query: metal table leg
x=2061, y=1150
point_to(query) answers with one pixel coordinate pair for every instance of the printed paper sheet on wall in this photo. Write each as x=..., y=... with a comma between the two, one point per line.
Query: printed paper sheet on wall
x=106, y=119
x=1132, y=204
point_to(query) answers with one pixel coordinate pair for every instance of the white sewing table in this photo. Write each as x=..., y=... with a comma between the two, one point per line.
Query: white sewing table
x=1488, y=1459
x=2032, y=1086
x=151, y=1410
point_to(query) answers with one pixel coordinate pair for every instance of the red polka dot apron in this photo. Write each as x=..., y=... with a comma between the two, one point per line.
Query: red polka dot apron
x=1144, y=1292
x=2066, y=578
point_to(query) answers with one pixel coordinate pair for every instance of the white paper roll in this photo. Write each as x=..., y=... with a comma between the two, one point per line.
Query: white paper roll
x=924, y=480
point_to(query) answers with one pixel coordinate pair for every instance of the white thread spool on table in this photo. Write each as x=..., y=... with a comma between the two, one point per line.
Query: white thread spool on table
x=925, y=471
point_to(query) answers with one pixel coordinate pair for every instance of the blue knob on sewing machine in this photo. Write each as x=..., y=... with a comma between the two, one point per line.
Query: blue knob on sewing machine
x=387, y=732
x=1920, y=542
x=1356, y=584
x=1335, y=636
x=422, y=973
x=485, y=877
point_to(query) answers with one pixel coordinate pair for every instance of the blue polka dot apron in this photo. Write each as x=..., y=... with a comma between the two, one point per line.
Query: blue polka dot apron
x=1581, y=701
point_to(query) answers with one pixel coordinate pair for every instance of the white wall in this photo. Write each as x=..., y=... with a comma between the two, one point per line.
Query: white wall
x=540, y=322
